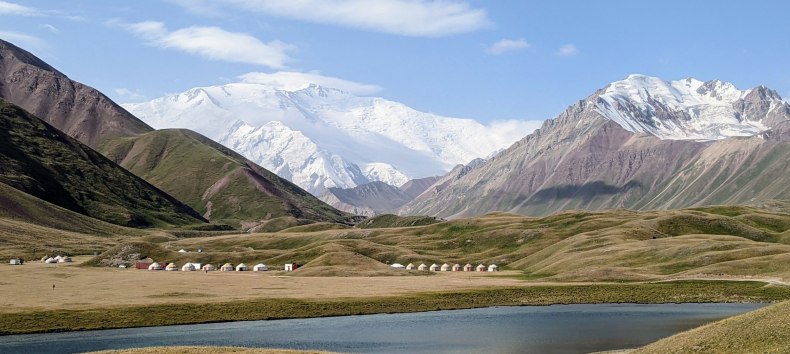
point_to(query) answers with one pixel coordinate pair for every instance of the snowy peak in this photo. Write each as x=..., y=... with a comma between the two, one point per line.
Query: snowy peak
x=686, y=109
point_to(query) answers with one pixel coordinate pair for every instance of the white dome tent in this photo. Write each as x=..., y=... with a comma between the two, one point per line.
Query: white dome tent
x=172, y=267
x=468, y=268
x=155, y=266
x=260, y=267
x=227, y=267
x=51, y=260
x=445, y=267
x=397, y=266
x=189, y=267
x=242, y=267
x=411, y=266
x=434, y=267
x=422, y=267
x=493, y=268
x=480, y=268
x=209, y=268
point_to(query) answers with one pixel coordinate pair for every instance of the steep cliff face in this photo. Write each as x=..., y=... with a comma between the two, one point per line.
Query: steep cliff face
x=633, y=145
x=76, y=109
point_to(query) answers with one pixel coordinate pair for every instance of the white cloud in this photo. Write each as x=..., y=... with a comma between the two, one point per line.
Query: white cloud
x=9, y=8
x=567, y=50
x=418, y=18
x=514, y=130
x=50, y=28
x=292, y=81
x=506, y=45
x=213, y=43
x=127, y=95
x=27, y=42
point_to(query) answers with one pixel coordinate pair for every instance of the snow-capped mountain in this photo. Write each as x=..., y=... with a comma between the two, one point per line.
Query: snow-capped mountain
x=679, y=110
x=321, y=137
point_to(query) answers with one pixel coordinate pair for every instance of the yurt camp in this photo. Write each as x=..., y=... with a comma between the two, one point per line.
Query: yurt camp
x=189, y=267
x=480, y=268
x=242, y=267
x=155, y=266
x=434, y=267
x=227, y=267
x=422, y=267
x=469, y=268
x=260, y=267
x=209, y=268
x=410, y=266
x=493, y=268
x=446, y=267
x=172, y=267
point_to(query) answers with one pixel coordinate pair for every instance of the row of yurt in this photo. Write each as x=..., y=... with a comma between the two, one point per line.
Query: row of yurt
x=190, y=267
x=446, y=267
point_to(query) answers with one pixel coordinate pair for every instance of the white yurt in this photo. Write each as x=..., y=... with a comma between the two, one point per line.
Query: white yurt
x=411, y=266
x=15, y=261
x=64, y=260
x=58, y=258
x=51, y=260
x=493, y=268
x=422, y=267
x=457, y=268
x=172, y=267
x=242, y=267
x=480, y=268
x=260, y=267
x=434, y=267
x=446, y=267
x=468, y=268
x=122, y=266
x=397, y=266
x=197, y=266
x=209, y=268
x=189, y=267
x=182, y=251
x=155, y=266
x=227, y=267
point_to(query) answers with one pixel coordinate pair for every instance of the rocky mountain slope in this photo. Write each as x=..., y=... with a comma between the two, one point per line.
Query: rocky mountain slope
x=322, y=138
x=89, y=116
x=39, y=160
x=219, y=183
x=641, y=143
x=68, y=105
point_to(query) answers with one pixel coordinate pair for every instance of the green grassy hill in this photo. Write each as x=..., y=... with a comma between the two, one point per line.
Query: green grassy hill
x=39, y=160
x=219, y=183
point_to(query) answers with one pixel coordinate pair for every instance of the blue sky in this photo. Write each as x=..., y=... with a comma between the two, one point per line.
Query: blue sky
x=486, y=60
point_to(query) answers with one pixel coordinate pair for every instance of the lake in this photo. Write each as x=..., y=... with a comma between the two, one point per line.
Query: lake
x=525, y=329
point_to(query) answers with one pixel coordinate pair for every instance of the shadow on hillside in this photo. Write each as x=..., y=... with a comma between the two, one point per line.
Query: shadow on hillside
x=585, y=191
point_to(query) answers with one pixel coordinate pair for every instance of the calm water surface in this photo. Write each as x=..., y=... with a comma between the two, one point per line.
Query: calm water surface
x=528, y=329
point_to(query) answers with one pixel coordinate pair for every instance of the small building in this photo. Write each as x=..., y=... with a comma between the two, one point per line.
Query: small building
x=15, y=261
x=446, y=267
x=434, y=267
x=290, y=267
x=480, y=268
x=410, y=266
x=209, y=268
x=456, y=268
x=260, y=267
x=64, y=259
x=397, y=266
x=189, y=267
x=493, y=268
x=155, y=266
x=242, y=267
x=142, y=265
x=227, y=267
x=51, y=260
x=422, y=267
x=469, y=268
x=172, y=267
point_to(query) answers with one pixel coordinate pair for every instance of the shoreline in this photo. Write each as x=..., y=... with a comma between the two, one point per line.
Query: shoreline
x=52, y=321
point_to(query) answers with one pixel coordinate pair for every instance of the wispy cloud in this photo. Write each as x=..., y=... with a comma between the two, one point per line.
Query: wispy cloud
x=507, y=45
x=128, y=95
x=567, y=50
x=292, y=81
x=418, y=18
x=212, y=43
x=50, y=28
x=25, y=41
x=10, y=8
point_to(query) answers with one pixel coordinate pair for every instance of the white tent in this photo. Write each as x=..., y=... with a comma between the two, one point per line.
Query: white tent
x=209, y=268
x=434, y=267
x=197, y=266
x=182, y=251
x=64, y=260
x=445, y=267
x=155, y=266
x=480, y=268
x=260, y=267
x=457, y=268
x=51, y=260
x=189, y=267
x=227, y=267
x=493, y=268
x=397, y=266
x=422, y=267
x=410, y=266
x=122, y=266
x=468, y=268
x=15, y=261
x=172, y=267
x=242, y=267
x=58, y=258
